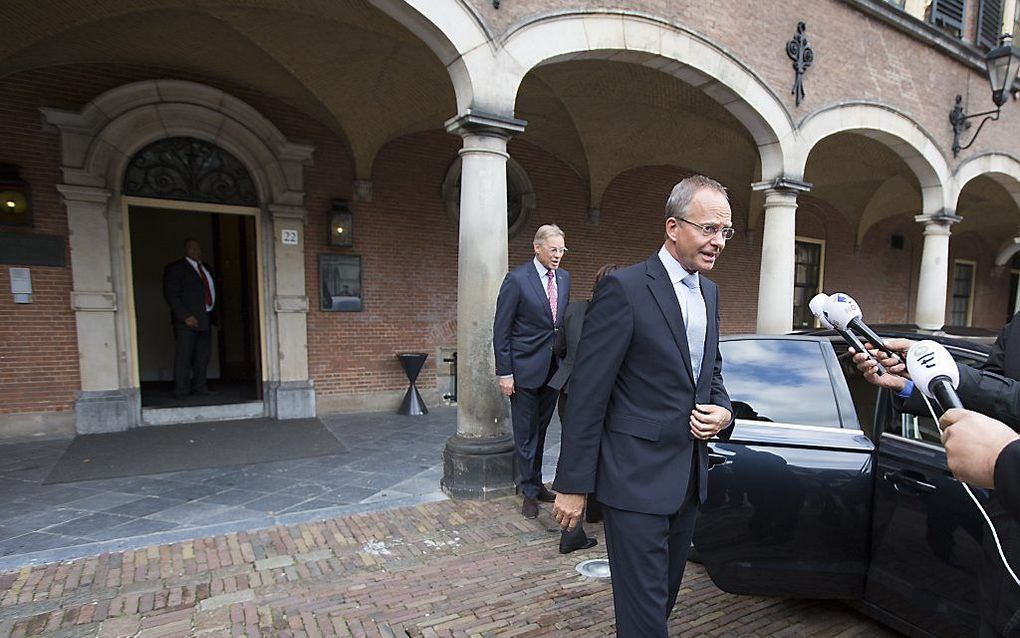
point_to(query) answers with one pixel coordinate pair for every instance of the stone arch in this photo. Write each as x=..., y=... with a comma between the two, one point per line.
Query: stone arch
x=639, y=39
x=456, y=34
x=900, y=133
x=1003, y=169
x=96, y=145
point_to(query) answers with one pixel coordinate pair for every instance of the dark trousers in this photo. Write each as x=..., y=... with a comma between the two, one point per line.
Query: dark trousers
x=191, y=358
x=647, y=557
x=530, y=412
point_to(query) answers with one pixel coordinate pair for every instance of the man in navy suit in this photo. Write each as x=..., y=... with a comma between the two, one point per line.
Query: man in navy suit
x=529, y=310
x=646, y=393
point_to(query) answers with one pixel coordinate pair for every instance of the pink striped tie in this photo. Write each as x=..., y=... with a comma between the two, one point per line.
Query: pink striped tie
x=550, y=289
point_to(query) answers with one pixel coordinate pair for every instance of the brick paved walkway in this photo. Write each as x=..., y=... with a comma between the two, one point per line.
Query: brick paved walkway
x=438, y=569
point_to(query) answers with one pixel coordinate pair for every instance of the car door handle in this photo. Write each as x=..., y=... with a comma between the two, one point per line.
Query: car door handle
x=715, y=459
x=904, y=480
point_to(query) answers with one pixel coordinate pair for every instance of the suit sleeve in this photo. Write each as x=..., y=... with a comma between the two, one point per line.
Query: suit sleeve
x=990, y=394
x=502, y=325
x=1007, y=479
x=605, y=339
x=173, y=292
x=996, y=360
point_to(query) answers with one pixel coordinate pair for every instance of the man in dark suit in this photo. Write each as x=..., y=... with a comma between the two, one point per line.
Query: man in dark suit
x=189, y=290
x=529, y=310
x=646, y=393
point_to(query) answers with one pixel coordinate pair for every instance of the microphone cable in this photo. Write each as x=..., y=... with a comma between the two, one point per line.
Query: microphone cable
x=988, y=520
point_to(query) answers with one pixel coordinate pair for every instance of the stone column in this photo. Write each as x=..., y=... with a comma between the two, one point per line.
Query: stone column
x=291, y=395
x=930, y=313
x=478, y=460
x=775, y=279
x=101, y=405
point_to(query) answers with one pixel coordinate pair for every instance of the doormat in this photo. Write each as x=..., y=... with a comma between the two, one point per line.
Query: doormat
x=191, y=446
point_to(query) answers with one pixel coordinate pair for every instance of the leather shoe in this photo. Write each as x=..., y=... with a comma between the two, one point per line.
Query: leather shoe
x=546, y=496
x=566, y=548
x=530, y=508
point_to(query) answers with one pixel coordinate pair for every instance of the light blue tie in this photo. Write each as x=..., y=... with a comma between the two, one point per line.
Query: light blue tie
x=696, y=321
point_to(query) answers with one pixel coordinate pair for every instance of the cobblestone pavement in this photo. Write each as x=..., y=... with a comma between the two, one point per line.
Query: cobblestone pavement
x=443, y=568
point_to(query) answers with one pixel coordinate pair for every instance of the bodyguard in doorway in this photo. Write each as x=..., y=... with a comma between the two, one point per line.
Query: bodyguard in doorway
x=191, y=294
x=529, y=310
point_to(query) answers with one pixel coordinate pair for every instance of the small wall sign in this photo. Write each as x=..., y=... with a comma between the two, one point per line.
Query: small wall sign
x=289, y=237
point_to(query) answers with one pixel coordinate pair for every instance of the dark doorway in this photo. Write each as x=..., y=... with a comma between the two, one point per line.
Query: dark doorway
x=229, y=246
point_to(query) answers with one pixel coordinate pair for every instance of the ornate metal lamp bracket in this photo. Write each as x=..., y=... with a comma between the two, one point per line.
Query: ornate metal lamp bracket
x=960, y=124
x=802, y=55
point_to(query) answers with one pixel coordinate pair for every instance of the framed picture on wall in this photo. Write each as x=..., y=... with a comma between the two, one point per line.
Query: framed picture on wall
x=340, y=282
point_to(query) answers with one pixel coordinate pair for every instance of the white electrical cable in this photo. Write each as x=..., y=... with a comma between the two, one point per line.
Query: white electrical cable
x=995, y=536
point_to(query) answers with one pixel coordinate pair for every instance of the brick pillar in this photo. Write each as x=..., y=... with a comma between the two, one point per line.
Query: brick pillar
x=478, y=460
x=934, y=279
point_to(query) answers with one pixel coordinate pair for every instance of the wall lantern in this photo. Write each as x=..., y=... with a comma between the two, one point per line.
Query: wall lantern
x=341, y=224
x=15, y=200
x=1003, y=62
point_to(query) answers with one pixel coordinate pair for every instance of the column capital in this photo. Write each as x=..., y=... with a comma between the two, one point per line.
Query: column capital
x=279, y=212
x=937, y=224
x=88, y=194
x=472, y=122
x=782, y=184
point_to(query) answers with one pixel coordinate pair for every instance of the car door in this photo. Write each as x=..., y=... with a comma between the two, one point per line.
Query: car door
x=788, y=507
x=927, y=533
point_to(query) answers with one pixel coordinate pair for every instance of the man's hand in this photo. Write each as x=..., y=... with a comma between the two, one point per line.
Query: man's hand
x=973, y=443
x=506, y=385
x=567, y=510
x=707, y=420
x=895, y=377
x=191, y=322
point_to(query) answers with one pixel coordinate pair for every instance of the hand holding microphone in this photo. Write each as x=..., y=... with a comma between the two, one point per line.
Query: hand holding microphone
x=935, y=373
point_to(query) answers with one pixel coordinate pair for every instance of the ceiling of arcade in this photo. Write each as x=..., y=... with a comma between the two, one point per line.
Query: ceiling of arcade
x=988, y=210
x=604, y=118
x=340, y=61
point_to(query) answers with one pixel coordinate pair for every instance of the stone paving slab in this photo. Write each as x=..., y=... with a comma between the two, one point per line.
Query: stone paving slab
x=442, y=569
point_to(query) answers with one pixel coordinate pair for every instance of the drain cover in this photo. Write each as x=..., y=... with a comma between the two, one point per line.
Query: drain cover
x=594, y=568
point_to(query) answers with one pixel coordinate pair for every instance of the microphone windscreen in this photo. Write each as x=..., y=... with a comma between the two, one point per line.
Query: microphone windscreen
x=927, y=360
x=840, y=309
x=817, y=306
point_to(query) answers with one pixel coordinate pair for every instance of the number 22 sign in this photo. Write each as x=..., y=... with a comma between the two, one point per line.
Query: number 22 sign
x=289, y=237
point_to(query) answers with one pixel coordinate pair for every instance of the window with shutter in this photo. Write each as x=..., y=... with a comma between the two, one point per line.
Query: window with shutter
x=989, y=23
x=948, y=14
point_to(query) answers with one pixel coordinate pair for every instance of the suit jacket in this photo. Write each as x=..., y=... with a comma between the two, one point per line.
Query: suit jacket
x=566, y=343
x=627, y=433
x=523, y=329
x=1005, y=356
x=185, y=293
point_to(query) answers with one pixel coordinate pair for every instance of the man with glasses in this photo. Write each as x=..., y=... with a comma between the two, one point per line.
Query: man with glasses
x=529, y=311
x=646, y=393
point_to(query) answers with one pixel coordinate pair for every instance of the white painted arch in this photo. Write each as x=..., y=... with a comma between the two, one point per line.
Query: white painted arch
x=640, y=39
x=1004, y=169
x=892, y=128
x=457, y=35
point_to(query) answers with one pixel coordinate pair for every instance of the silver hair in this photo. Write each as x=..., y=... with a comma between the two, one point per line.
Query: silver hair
x=683, y=193
x=545, y=232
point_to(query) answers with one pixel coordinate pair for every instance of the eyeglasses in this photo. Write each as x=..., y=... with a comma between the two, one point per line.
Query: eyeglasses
x=555, y=251
x=709, y=230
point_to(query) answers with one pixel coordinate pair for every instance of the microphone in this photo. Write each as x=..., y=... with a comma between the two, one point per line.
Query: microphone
x=844, y=313
x=818, y=305
x=935, y=373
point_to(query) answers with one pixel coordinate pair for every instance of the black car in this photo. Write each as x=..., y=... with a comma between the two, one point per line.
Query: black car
x=824, y=490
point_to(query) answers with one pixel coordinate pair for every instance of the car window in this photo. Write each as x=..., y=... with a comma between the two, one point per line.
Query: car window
x=864, y=395
x=923, y=428
x=781, y=380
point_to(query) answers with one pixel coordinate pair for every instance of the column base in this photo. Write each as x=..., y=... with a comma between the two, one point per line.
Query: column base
x=290, y=399
x=478, y=468
x=99, y=411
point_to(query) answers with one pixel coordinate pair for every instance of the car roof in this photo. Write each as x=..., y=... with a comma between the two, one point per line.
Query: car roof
x=979, y=342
